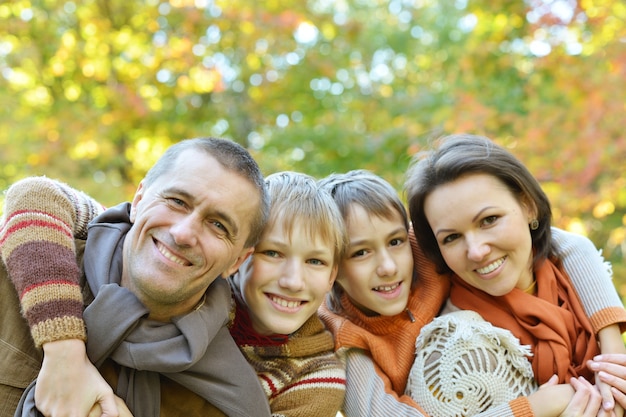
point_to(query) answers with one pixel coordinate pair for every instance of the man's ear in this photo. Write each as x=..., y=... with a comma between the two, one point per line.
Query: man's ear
x=245, y=253
x=136, y=199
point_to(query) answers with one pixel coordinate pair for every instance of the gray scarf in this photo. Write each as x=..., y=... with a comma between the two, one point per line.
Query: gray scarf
x=194, y=350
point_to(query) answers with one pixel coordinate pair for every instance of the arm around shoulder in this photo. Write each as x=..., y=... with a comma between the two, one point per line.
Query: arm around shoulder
x=41, y=218
x=591, y=276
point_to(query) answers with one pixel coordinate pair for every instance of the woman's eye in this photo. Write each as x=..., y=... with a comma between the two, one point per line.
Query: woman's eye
x=358, y=253
x=316, y=262
x=450, y=238
x=489, y=220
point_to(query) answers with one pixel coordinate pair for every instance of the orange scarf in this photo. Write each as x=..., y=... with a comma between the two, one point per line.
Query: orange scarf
x=552, y=322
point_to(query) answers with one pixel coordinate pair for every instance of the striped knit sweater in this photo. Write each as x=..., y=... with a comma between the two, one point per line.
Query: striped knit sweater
x=41, y=218
x=300, y=372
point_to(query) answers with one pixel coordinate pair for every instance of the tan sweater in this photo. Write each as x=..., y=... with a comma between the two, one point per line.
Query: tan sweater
x=300, y=373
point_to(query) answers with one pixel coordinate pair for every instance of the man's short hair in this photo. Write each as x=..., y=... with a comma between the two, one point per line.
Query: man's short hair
x=231, y=156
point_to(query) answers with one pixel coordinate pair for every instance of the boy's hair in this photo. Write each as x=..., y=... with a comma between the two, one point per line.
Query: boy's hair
x=231, y=156
x=369, y=191
x=460, y=155
x=296, y=198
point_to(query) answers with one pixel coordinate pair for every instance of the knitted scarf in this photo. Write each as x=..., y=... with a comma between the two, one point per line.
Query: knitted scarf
x=552, y=322
x=244, y=334
x=194, y=350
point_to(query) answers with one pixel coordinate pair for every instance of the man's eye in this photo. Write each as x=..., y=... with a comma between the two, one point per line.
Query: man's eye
x=219, y=225
x=177, y=201
x=270, y=253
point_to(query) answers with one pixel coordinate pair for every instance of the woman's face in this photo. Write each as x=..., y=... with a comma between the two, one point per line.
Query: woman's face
x=377, y=270
x=482, y=232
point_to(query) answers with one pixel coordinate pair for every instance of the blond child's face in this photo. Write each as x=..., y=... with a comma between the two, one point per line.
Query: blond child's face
x=483, y=236
x=287, y=278
x=377, y=270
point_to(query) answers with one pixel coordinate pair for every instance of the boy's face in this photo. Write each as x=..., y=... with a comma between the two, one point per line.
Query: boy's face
x=377, y=270
x=287, y=278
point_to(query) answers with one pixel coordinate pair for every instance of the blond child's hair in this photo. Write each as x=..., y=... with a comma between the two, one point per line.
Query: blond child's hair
x=297, y=198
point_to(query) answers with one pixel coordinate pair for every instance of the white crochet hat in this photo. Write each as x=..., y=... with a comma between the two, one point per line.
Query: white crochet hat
x=465, y=365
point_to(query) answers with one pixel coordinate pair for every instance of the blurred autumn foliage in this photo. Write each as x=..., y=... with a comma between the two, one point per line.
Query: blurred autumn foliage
x=92, y=92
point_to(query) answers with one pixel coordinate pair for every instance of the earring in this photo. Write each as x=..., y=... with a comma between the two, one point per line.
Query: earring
x=534, y=224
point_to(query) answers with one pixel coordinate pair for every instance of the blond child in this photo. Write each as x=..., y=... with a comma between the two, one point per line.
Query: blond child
x=278, y=291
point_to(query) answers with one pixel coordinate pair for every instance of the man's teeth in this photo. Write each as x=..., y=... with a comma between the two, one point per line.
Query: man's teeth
x=285, y=303
x=490, y=267
x=387, y=288
x=169, y=255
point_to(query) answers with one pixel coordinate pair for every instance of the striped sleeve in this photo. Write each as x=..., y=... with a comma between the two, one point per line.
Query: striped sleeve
x=41, y=219
x=592, y=279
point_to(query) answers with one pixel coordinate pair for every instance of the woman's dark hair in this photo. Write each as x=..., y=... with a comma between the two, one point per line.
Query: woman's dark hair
x=460, y=155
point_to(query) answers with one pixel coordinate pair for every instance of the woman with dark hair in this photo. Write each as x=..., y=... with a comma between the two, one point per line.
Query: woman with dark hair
x=484, y=220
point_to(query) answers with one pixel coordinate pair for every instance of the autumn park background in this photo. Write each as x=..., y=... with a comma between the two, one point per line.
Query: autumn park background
x=93, y=91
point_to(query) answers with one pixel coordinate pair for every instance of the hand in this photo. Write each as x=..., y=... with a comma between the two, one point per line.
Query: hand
x=609, y=408
x=586, y=402
x=96, y=410
x=69, y=385
x=577, y=399
x=608, y=403
x=611, y=370
x=618, y=411
x=551, y=399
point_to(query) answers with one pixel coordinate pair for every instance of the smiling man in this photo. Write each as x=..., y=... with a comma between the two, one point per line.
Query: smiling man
x=156, y=312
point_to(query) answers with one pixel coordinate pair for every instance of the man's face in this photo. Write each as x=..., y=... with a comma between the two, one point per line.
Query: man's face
x=190, y=227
